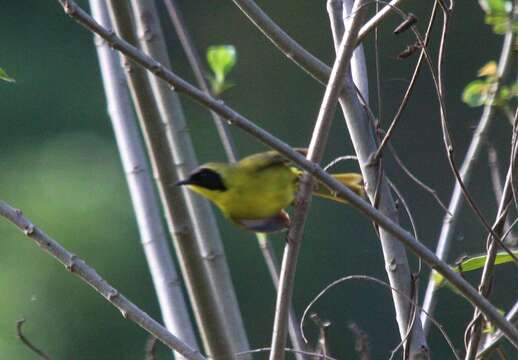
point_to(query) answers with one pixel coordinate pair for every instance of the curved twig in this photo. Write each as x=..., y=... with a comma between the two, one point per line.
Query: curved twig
x=380, y=282
x=28, y=343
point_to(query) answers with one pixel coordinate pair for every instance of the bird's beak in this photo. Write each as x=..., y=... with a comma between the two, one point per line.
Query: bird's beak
x=182, y=182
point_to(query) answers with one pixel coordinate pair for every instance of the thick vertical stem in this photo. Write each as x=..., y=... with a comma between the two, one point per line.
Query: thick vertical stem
x=190, y=221
x=396, y=263
x=142, y=191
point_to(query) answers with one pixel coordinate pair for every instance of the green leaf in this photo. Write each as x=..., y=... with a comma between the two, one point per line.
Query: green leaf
x=222, y=59
x=495, y=6
x=474, y=263
x=499, y=22
x=476, y=93
x=5, y=77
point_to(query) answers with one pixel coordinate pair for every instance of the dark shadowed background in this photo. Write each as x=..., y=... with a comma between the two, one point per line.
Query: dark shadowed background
x=59, y=163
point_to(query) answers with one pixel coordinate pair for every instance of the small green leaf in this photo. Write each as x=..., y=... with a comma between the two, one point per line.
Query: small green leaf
x=499, y=22
x=222, y=59
x=5, y=77
x=476, y=93
x=477, y=262
x=474, y=263
x=495, y=6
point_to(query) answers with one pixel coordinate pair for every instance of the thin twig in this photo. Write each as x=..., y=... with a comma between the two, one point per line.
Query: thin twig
x=361, y=343
x=83, y=271
x=456, y=201
x=410, y=87
x=245, y=124
x=200, y=72
x=475, y=328
x=376, y=281
x=27, y=342
x=307, y=353
x=303, y=198
x=322, y=346
x=496, y=180
x=414, y=178
x=150, y=348
x=493, y=340
x=293, y=50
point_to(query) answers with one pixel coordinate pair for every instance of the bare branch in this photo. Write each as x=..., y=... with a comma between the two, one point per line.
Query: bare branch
x=293, y=50
x=456, y=200
x=190, y=219
x=83, y=271
x=146, y=205
x=475, y=328
x=200, y=72
x=231, y=153
x=303, y=198
x=364, y=140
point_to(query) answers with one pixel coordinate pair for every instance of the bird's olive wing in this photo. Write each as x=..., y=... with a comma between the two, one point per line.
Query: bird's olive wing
x=268, y=159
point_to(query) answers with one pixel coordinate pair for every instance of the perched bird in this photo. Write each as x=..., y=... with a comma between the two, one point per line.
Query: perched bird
x=254, y=191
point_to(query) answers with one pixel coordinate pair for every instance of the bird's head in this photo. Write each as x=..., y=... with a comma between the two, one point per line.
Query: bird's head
x=207, y=180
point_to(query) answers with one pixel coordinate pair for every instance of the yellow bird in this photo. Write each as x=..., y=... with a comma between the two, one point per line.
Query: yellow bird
x=254, y=191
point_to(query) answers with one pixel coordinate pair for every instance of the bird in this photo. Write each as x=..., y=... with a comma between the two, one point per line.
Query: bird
x=254, y=191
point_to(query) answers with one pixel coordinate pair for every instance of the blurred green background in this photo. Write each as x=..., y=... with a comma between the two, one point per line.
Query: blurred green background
x=59, y=163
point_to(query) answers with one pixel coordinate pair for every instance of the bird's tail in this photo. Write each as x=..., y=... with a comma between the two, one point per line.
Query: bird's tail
x=353, y=181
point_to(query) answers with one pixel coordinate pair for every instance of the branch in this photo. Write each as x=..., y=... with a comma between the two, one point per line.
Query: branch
x=363, y=137
x=293, y=50
x=145, y=202
x=231, y=116
x=475, y=327
x=190, y=220
x=88, y=274
x=303, y=198
x=200, y=74
x=492, y=341
x=226, y=139
x=456, y=200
